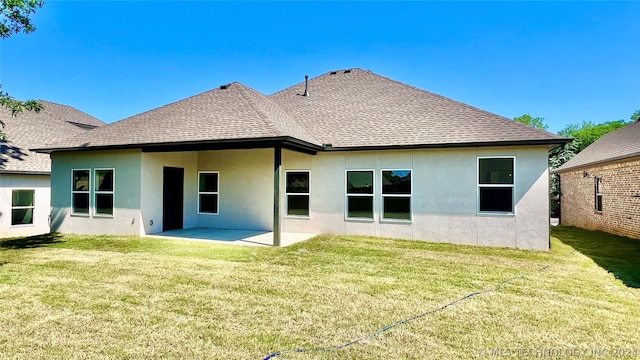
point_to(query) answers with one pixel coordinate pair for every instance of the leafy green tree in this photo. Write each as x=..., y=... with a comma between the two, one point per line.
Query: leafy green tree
x=636, y=115
x=15, y=17
x=557, y=157
x=583, y=134
x=537, y=122
x=588, y=132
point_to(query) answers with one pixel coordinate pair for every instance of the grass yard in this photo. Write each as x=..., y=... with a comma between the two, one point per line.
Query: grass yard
x=145, y=298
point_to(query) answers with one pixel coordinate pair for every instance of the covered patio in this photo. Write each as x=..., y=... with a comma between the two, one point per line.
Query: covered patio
x=233, y=236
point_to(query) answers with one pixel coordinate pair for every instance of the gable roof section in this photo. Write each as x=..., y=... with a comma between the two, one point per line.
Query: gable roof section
x=29, y=129
x=616, y=145
x=348, y=109
x=230, y=112
x=357, y=108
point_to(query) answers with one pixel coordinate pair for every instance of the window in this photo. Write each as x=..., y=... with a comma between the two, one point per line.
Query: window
x=208, y=192
x=80, y=192
x=396, y=194
x=360, y=194
x=103, y=192
x=22, y=205
x=598, y=192
x=297, y=193
x=495, y=184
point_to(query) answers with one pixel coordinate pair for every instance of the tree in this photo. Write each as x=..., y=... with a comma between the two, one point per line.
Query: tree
x=15, y=17
x=583, y=135
x=557, y=157
x=636, y=115
x=588, y=132
x=537, y=122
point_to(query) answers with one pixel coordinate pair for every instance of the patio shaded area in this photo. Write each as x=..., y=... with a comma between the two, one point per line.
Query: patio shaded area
x=234, y=236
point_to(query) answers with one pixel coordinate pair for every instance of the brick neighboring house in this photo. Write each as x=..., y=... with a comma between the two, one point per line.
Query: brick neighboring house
x=601, y=185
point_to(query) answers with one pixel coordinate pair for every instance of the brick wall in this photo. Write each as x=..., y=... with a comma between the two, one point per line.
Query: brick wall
x=620, y=198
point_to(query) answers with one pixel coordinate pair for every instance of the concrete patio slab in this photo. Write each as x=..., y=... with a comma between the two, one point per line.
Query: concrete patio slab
x=233, y=236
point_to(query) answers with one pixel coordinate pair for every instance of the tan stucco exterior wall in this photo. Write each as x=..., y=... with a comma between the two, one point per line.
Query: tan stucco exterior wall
x=245, y=188
x=444, y=199
x=620, y=198
x=151, y=187
x=126, y=219
x=41, y=184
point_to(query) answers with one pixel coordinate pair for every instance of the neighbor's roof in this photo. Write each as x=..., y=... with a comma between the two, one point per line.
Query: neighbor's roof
x=616, y=145
x=29, y=129
x=346, y=109
x=232, y=111
x=357, y=108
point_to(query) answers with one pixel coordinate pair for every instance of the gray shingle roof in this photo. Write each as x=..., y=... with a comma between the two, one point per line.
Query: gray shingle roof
x=30, y=129
x=620, y=144
x=232, y=111
x=356, y=108
x=353, y=108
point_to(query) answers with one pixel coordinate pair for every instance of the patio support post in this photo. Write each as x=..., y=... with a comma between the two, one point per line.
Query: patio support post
x=277, y=171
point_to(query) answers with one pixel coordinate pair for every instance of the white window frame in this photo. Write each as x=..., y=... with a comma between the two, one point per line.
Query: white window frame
x=33, y=207
x=512, y=186
x=372, y=196
x=308, y=194
x=382, y=196
x=96, y=193
x=88, y=192
x=598, y=193
x=209, y=193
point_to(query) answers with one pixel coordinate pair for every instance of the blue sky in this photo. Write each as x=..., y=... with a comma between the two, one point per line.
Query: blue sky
x=564, y=61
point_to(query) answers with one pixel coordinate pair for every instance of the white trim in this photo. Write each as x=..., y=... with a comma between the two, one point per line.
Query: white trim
x=598, y=194
x=96, y=193
x=88, y=192
x=209, y=193
x=410, y=196
x=512, y=186
x=33, y=207
x=286, y=195
x=372, y=196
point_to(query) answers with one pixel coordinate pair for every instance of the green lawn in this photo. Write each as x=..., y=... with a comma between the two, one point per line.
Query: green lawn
x=145, y=298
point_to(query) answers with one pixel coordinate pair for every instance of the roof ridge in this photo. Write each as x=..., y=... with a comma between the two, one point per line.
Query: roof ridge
x=318, y=76
x=269, y=121
x=293, y=118
x=171, y=103
x=74, y=109
x=263, y=115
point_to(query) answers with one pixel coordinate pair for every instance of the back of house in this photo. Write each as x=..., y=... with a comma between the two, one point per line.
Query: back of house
x=347, y=152
x=25, y=176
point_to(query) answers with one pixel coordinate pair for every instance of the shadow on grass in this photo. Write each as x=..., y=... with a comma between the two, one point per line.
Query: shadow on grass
x=30, y=241
x=617, y=254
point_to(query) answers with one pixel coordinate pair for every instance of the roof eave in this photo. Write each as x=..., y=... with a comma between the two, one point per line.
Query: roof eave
x=599, y=162
x=242, y=143
x=290, y=143
x=549, y=142
x=24, y=172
